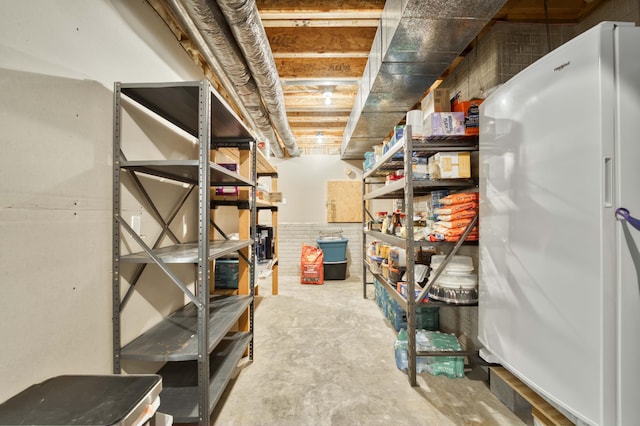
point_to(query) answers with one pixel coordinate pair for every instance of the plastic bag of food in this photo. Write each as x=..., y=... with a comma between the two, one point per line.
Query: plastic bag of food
x=455, y=208
x=459, y=198
x=311, y=265
x=460, y=223
x=465, y=214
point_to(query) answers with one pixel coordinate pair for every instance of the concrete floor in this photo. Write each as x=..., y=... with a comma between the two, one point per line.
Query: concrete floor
x=324, y=356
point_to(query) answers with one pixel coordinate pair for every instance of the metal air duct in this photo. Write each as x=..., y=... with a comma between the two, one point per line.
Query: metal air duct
x=415, y=43
x=205, y=24
x=244, y=20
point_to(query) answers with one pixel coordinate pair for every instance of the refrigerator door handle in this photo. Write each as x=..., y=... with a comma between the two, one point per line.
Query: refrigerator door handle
x=608, y=182
x=622, y=213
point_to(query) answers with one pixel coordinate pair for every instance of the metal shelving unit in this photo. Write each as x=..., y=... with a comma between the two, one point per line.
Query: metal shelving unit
x=196, y=342
x=407, y=189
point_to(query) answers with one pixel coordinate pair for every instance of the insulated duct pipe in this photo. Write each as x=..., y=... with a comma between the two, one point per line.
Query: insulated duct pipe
x=244, y=19
x=207, y=27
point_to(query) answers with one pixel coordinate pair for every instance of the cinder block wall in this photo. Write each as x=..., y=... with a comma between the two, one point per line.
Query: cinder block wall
x=291, y=237
x=506, y=50
x=612, y=10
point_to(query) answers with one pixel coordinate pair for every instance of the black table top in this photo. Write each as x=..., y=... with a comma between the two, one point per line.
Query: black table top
x=79, y=400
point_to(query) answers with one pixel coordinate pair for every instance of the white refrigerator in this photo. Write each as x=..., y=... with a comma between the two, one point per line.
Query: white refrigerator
x=559, y=301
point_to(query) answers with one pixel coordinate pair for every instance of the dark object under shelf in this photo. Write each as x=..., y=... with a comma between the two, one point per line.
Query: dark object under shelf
x=335, y=270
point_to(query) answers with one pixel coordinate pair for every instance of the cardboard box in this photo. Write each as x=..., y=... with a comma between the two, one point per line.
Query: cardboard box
x=436, y=101
x=273, y=197
x=450, y=165
x=443, y=124
x=471, y=114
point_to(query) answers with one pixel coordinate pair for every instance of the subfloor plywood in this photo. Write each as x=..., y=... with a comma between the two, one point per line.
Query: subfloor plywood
x=344, y=201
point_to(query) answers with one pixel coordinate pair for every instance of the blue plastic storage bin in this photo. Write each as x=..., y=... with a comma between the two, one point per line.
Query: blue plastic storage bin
x=334, y=250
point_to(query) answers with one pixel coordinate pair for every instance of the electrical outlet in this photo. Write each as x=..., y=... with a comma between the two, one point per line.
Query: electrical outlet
x=135, y=224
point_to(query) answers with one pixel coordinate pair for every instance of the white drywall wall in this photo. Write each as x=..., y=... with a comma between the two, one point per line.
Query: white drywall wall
x=58, y=62
x=303, y=183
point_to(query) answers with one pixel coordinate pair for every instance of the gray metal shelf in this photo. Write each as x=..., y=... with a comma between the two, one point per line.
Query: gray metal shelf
x=396, y=188
x=186, y=171
x=420, y=147
x=406, y=189
x=391, y=288
x=399, y=241
x=388, y=238
x=189, y=335
x=187, y=252
x=179, y=396
x=175, y=338
x=179, y=104
x=402, y=242
x=445, y=143
x=385, y=160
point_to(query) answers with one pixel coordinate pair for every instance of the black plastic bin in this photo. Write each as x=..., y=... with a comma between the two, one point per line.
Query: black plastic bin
x=335, y=270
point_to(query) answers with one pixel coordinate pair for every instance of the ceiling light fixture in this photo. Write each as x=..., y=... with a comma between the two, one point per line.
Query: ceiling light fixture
x=327, y=97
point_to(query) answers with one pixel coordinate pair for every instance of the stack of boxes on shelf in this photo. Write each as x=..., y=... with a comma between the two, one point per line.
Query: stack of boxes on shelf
x=438, y=117
x=264, y=192
x=442, y=116
x=334, y=250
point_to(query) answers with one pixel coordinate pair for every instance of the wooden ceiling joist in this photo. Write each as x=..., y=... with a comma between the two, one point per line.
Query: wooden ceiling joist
x=320, y=9
x=328, y=68
x=334, y=40
x=315, y=23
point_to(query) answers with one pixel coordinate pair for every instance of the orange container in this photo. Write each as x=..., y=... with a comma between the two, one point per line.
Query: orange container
x=471, y=114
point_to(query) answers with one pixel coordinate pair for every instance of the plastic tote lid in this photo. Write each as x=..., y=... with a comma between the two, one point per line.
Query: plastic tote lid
x=457, y=281
x=458, y=265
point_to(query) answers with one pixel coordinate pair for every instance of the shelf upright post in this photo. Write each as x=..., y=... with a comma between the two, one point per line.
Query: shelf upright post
x=245, y=229
x=364, y=239
x=410, y=255
x=254, y=226
x=204, y=203
x=276, y=237
x=117, y=117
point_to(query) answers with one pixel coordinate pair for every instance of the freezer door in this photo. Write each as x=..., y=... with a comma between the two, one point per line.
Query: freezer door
x=628, y=238
x=547, y=239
